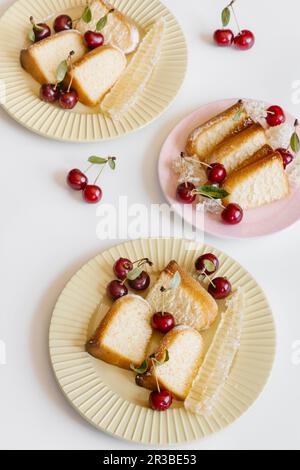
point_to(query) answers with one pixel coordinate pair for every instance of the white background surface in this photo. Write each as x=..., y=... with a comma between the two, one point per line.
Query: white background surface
x=47, y=233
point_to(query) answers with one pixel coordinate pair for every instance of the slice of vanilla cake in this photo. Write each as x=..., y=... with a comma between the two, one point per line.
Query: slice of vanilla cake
x=190, y=303
x=42, y=59
x=184, y=348
x=96, y=73
x=235, y=149
x=260, y=183
x=119, y=31
x=206, y=137
x=123, y=336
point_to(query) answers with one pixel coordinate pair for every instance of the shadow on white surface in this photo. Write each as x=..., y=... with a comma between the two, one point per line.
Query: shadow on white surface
x=41, y=363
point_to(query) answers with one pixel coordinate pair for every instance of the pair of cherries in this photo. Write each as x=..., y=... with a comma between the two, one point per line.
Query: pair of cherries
x=225, y=37
x=186, y=193
x=122, y=267
x=42, y=30
x=50, y=93
x=276, y=117
x=78, y=181
x=244, y=41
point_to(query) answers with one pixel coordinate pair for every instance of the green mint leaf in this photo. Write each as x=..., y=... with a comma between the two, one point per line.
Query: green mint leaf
x=226, y=15
x=87, y=15
x=164, y=359
x=31, y=35
x=38, y=28
x=140, y=370
x=134, y=274
x=62, y=70
x=237, y=116
x=295, y=142
x=97, y=160
x=112, y=163
x=213, y=192
x=209, y=266
x=176, y=281
x=101, y=23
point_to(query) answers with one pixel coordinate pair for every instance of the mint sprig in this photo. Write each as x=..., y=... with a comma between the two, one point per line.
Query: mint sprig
x=212, y=192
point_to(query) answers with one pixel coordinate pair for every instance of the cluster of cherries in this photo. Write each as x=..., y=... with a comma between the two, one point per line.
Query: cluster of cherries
x=122, y=269
x=51, y=93
x=78, y=181
x=187, y=193
x=225, y=37
x=207, y=265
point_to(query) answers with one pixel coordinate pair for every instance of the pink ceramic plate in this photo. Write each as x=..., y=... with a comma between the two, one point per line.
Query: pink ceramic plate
x=257, y=222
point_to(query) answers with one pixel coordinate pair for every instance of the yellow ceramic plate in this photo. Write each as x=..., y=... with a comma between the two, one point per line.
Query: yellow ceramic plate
x=19, y=92
x=107, y=396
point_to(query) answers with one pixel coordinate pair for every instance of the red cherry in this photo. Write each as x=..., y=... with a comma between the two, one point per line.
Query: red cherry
x=205, y=263
x=287, y=156
x=275, y=116
x=244, y=40
x=223, y=37
x=68, y=99
x=92, y=194
x=220, y=288
x=41, y=31
x=233, y=214
x=77, y=180
x=163, y=322
x=116, y=289
x=93, y=39
x=141, y=283
x=185, y=193
x=122, y=267
x=160, y=401
x=62, y=23
x=217, y=173
x=49, y=93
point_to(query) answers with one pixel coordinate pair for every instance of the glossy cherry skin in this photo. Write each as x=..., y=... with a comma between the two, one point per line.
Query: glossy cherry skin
x=92, y=194
x=116, y=289
x=217, y=173
x=122, y=267
x=141, y=283
x=62, y=23
x=43, y=34
x=287, y=156
x=93, y=39
x=49, y=93
x=68, y=99
x=163, y=322
x=77, y=180
x=220, y=288
x=202, y=267
x=185, y=194
x=160, y=401
x=244, y=40
x=223, y=37
x=275, y=116
x=233, y=214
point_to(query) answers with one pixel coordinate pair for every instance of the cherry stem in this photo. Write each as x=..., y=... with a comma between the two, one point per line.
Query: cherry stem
x=143, y=261
x=199, y=193
x=193, y=160
x=209, y=279
x=70, y=64
x=100, y=173
x=234, y=15
x=89, y=167
x=155, y=374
